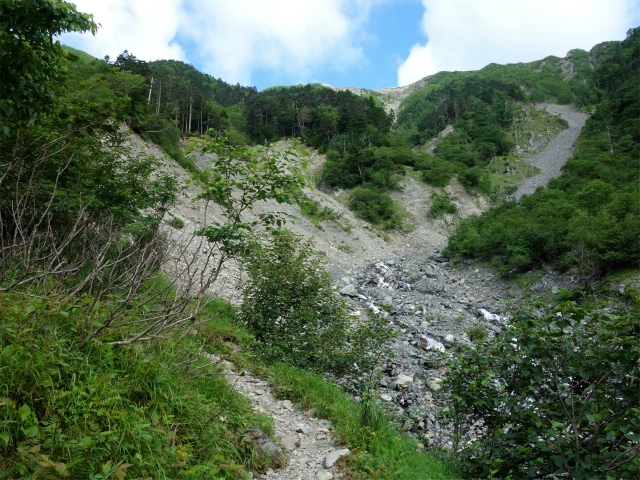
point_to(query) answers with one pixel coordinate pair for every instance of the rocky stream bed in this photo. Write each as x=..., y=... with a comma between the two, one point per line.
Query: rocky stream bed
x=436, y=306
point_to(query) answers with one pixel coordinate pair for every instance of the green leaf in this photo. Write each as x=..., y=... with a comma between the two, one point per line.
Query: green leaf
x=31, y=432
x=558, y=461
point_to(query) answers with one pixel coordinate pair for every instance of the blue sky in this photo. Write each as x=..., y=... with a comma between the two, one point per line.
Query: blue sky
x=359, y=43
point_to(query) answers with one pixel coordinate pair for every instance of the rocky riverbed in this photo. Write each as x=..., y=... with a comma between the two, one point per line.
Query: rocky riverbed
x=437, y=306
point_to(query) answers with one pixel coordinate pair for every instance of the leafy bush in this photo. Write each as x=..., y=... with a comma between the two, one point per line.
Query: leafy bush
x=176, y=222
x=436, y=171
x=374, y=206
x=475, y=178
x=237, y=178
x=440, y=205
x=556, y=394
x=477, y=331
x=290, y=307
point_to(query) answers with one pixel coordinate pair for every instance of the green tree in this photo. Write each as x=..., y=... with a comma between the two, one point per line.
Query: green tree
x=238, y=177
x=32, y=64
x=555, y=394
x=290, y=306
x=594, y=195
x=125, y=83
x=76, y=208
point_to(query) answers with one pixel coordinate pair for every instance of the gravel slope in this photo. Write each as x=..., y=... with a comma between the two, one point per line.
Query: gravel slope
x=555, y=155
x=307, y=440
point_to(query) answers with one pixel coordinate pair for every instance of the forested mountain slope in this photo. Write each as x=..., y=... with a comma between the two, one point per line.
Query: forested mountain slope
x=589, y=217
x=475, y=126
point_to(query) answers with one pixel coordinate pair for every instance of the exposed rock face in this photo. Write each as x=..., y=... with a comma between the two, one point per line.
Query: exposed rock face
x=390, y=97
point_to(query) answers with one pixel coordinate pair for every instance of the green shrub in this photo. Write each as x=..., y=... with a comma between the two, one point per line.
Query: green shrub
x=290, y=307
x=471, y=178
x=372, y=205
x=477, y=332
x=557, y=394
x=436, y=171
x=176, y=222
x=440, y=204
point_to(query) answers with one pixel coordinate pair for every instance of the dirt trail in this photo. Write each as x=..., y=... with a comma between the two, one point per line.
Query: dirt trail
x=307, y=441
x=555, y=155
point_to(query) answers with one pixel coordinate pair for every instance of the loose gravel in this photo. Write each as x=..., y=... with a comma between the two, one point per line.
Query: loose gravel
x=555, y=155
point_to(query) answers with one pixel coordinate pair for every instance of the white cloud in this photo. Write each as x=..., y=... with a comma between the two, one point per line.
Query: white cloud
x=232, y=39
x=469, y=34
x=144, y=27
x=287, y=36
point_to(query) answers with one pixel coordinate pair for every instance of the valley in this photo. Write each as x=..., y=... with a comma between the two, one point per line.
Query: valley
x=435, y=304
x=203, y=280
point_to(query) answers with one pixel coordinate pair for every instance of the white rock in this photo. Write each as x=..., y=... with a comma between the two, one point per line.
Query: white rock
x=290, y=442
x=435, y=384
x=430, y=344
x=491, y=316
x=331, y=458
x=349, y=290
x=403, y=381
x=375, y=310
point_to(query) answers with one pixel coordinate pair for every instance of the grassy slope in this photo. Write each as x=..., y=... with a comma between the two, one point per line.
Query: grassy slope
x=109, y=412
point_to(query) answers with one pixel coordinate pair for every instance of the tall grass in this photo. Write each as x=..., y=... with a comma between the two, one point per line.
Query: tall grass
x=106, y=412
x=147, y=411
